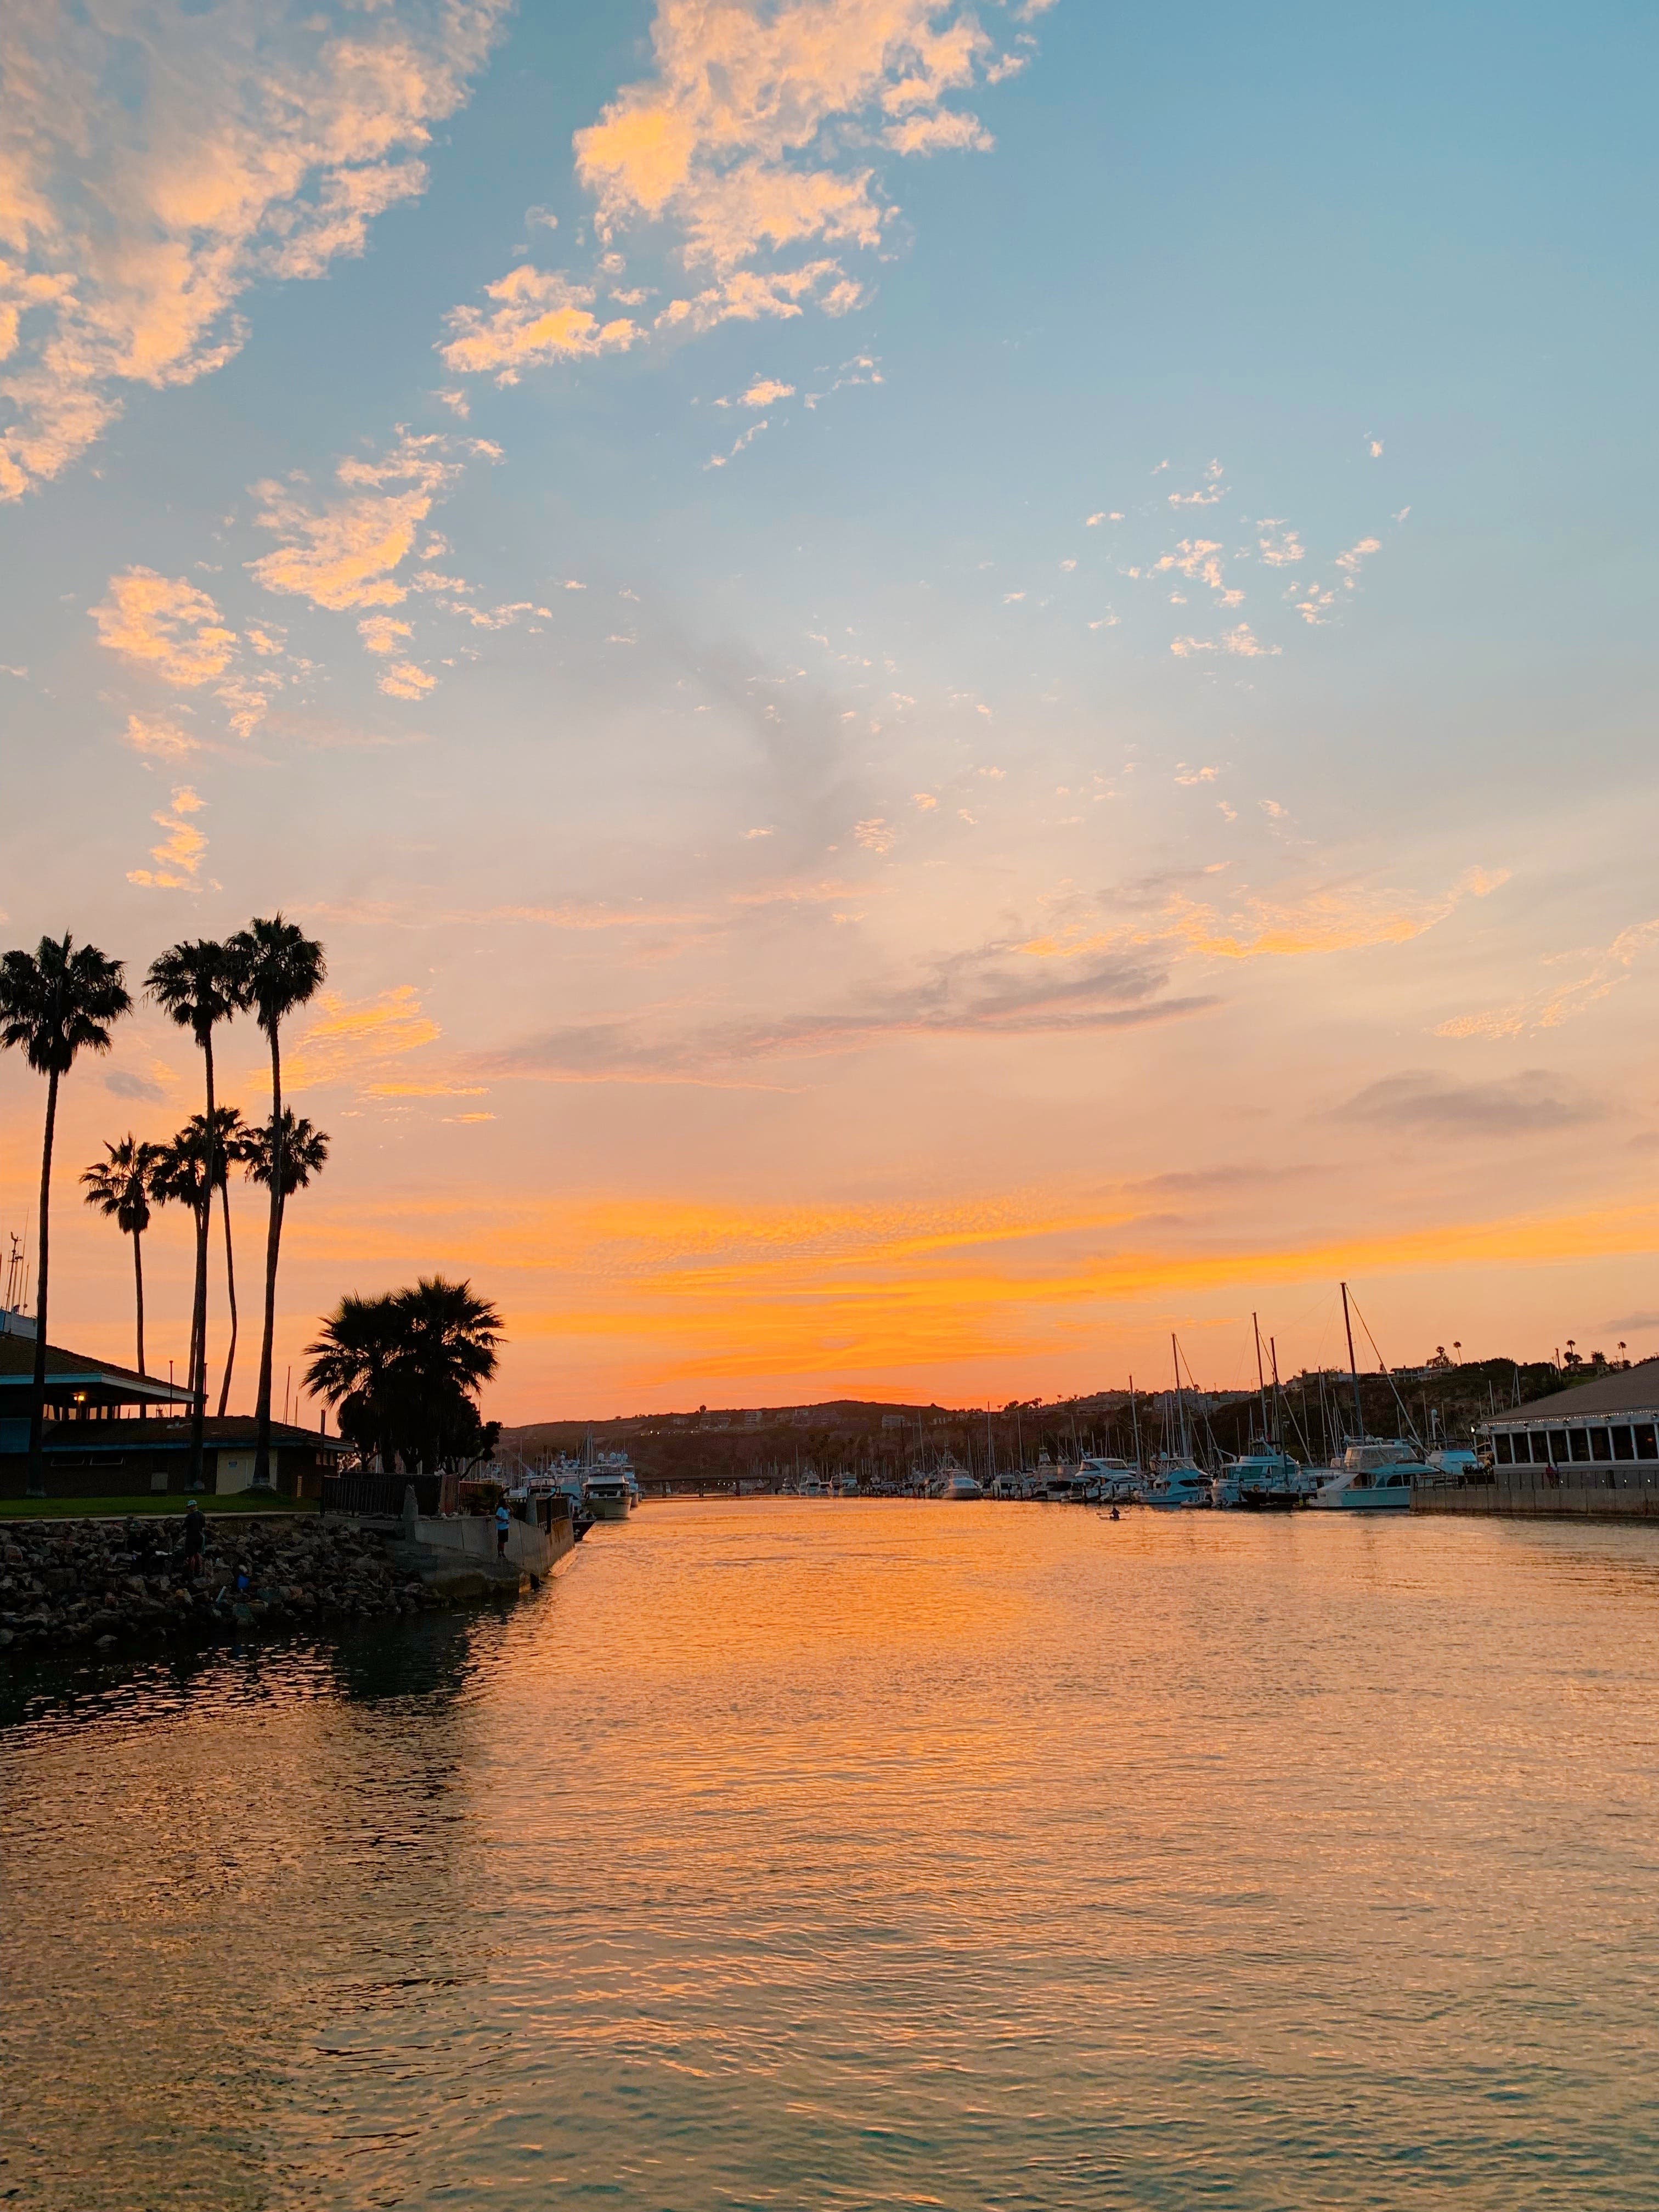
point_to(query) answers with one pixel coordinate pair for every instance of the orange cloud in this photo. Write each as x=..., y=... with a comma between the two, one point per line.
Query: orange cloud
x=708, y=1289
x=1339, y=918
x=166, y=625
x=342, y=556
x=541, y=316
x=1603, y=972
x=244, y=142
x=178, y=859
x=350, y=1040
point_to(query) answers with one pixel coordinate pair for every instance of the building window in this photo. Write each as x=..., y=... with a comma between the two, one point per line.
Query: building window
x=1647, y=1444
x=1559, y=1447
x=1582, y=1445
x=1622, y=1446
x=1502, y=1451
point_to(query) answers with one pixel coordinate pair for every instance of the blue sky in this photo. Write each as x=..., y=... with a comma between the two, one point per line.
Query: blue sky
x=1059, y=749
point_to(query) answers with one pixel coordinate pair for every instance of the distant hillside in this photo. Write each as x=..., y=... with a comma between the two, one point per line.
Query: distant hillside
x=876, y=1436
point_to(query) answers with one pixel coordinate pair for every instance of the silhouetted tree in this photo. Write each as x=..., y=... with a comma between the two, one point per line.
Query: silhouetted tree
x=194, y=985
x=279, y=967
x=55, y=1003
x=118, y=1187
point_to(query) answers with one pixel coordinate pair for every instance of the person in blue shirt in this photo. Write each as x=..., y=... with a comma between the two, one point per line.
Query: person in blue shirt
x=503, y=1521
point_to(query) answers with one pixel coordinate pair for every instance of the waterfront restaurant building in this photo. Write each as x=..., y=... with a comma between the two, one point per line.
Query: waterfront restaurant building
x=111, y=1433
x=1598, y=1436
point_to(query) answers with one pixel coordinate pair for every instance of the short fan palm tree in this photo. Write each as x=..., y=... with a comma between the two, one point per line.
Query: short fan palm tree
x=351, y=1369
x=119, y=1186
x=278, y=968
x=55, y=1003
x=196, y=986
x=404, y=1370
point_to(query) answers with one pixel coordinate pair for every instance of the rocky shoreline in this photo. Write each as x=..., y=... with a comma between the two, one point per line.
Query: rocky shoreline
x=101, y=1585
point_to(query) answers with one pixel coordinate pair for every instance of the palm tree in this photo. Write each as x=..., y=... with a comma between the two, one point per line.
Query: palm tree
x=279, y=967
x=195, y=985
x=351, y=1366
x=404, y=1370
x=118, y=1187
x=179, y=1178
x=231, y=1139
x=449, y=1337
x=55, y=1003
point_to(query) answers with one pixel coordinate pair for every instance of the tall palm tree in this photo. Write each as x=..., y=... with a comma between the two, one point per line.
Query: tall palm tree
x=229, y=1150
x=55, y=1003
x=195, y=985
x=279, y=967
x=179, y=1178
x=284, y=1159
x=119, y=1186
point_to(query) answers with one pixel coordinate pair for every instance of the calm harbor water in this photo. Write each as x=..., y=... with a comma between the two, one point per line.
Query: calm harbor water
x=832, y=1855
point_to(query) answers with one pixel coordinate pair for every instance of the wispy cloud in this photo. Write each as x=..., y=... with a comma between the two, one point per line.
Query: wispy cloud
x=166, y=626
x=539, y=316
x=161, y=161
x=352, y=1041
x=1594, y=974
x=179, y=857
x=1419, y=1099
x=994, y=991
x=344, y=555
x=745, y=150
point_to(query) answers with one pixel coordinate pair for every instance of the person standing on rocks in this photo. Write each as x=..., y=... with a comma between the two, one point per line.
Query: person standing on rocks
x=195, y=1541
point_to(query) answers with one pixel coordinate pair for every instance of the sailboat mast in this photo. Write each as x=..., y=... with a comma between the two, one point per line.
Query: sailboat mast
x=1260, y=1380
x=1135, y=1421
x=1353, y=1370
x=1183, y=1447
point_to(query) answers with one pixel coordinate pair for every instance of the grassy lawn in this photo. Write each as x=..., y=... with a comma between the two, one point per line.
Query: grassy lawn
x=76, y=1509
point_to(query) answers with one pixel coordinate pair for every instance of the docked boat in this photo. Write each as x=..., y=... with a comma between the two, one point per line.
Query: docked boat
x=1373, y=1476
x=609, y=1490
x=954, y=1482
x=1177, y=1484
x=1104, y=1481
x=1259, y=1482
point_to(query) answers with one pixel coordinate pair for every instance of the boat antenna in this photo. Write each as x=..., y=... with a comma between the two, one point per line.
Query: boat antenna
x=1354, y=1370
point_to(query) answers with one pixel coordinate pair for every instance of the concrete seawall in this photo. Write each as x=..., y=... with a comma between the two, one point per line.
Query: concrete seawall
x=1531, y=1496
x=471, y=1538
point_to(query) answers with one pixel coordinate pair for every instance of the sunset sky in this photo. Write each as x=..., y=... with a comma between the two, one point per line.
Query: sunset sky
x=953, y=686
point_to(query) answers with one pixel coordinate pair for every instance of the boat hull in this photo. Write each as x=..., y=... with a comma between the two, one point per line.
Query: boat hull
x=1362, y=1501
x=609, y=1508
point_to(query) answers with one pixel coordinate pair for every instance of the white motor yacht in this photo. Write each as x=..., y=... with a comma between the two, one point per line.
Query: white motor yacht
x=1258, y=1481
x=1104, y=1481
x=607, y=1496
x=955, y=1482
x=1177, y=1484
x=609, y=1490
x=1372, y=1476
